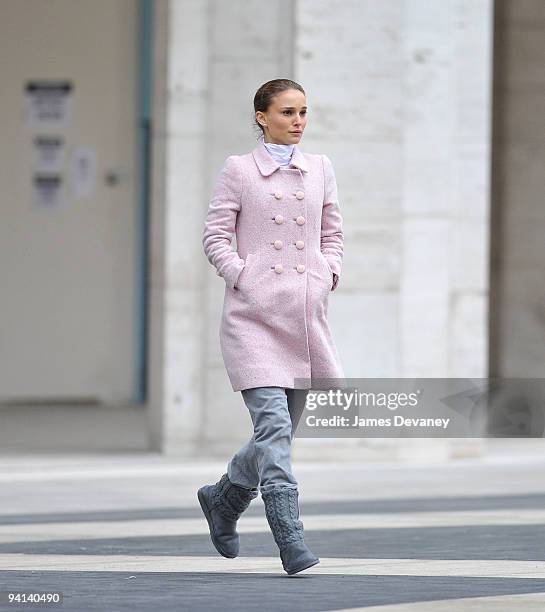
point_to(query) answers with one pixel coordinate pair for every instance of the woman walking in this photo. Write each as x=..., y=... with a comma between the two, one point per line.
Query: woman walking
x=282, y=206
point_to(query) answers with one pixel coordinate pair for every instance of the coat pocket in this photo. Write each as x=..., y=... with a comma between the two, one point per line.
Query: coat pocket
x=246, y=271
x=327, y=270
x=253, y=288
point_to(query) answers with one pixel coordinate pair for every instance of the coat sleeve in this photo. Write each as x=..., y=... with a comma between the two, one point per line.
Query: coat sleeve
x=219, y=227
x=331, y=236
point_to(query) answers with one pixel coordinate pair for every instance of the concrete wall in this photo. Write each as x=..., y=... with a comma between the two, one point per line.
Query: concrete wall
x=399, y=99
x=68, y=265
x=410, y=141
x=517, y=346
x=399, y=96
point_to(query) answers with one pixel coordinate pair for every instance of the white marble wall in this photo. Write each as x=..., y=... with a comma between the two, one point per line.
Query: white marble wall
x=399, y=95
x=399, y=99
x=445, y=202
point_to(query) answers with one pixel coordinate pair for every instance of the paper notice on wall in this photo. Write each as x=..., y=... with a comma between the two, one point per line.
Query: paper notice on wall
x=47, y=190
x=48, y=103
x=83, y=172
x=48, y=154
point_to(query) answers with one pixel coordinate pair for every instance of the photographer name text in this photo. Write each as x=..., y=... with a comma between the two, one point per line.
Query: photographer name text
x=397, y=421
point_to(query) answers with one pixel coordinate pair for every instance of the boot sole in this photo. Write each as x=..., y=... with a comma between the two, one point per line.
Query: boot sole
x=206, y=512
x=303, y=567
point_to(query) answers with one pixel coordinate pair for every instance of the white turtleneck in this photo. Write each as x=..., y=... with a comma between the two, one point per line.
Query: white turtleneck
x=281, y=153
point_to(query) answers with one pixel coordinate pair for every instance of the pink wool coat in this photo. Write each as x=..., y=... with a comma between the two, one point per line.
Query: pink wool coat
x=289, y=236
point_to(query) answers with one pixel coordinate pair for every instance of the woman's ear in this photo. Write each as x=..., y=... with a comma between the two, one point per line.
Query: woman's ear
x=258, y=119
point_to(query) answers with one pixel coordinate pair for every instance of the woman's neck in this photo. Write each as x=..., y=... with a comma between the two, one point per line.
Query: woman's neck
x=284, y=144
x=281, y=153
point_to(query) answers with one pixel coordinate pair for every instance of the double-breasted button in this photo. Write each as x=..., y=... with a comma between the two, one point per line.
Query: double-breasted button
x=299, y=244
x=278, y=244
x=279, y=219
x=278, y=194
x=278, y=268
x=300, y=220
x=300, y=195
x=300, y=268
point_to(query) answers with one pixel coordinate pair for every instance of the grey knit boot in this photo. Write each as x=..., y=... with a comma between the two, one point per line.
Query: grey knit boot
x=282, y=510
x=222, y=504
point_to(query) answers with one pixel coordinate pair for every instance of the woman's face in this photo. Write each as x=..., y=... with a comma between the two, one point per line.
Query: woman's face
x=286, y=118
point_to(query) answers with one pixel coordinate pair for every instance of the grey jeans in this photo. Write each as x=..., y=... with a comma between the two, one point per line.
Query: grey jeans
x=265, y=460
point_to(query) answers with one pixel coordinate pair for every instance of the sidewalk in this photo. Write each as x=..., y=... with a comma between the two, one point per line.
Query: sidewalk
x=125, y=532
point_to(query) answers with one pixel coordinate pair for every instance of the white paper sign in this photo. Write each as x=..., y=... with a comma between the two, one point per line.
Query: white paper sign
x=47, y=190
x=48, y=103
x=48, y=154
x=83, y=172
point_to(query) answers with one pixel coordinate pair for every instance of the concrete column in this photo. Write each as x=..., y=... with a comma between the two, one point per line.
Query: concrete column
x=177, y=281
x=518, y=222
x=251, y=42
x=210, y=58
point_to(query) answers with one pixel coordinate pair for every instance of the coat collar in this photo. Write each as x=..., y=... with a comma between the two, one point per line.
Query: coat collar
x=267, y=165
